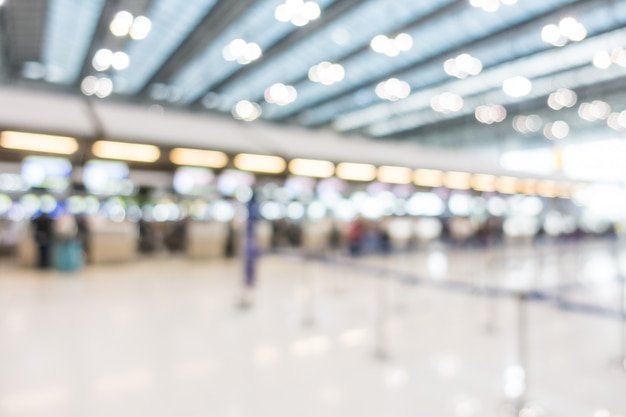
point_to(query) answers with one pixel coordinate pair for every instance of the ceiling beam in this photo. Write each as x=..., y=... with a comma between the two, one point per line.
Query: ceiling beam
x=223, y=14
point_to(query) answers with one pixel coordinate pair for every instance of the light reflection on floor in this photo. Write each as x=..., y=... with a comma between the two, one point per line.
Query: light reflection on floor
x=162, y=337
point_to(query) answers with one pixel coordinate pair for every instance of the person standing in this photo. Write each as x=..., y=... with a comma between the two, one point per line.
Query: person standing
x=43, y=230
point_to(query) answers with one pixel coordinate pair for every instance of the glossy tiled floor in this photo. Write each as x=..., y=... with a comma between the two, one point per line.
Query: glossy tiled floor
x=162, y=336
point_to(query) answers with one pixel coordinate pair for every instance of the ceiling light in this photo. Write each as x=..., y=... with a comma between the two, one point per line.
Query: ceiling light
x=125, y=151
x=617, y=121
x=280, y=94
x=198, y=157
x=101, y=87
x=568, y=29
x=483, y=182
x=326, y=73
x=241, y=51
x=298, y=12
x=381, y=44
x=38, y=142
x=446, y=103
x=120, y=61
x=121, y=23
x=428, y=177
x=491, y=5
x=517, y=86
x=527, y=124
x=506, y=185
x=562, y=98
x=246, y=111
x=556, y=130
x=602, y=59
x=140, y=28
x=311, y=168
x=394, y=175
x=102, y=59
x=393, y=89
x=456, y=180
x=356, y=172
x=490, y=114
x=259, y=163
x=462, y=66
x=596, y=110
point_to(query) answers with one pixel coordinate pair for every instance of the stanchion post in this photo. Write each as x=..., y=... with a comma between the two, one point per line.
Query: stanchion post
x=382, y=312
x=622, y=321
x=522, y=348
x=308, y=293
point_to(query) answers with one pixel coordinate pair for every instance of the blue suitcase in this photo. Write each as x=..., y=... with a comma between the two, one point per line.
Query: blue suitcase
x=68, y=255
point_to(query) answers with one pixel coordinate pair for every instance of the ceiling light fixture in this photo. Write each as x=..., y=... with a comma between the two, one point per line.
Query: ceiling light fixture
x=428, y=177
x=596, y=110
x=356, y=172
x=259, y=163
x=298, y=12
x=326, y=73
x=517, y=86
x=462, y=66
x=568, y=29
x=38, y=142
x=491, y=6
x=124, y=24
x=280, y=94
x=382, y=44
x=446, y=103
x=556, y=130
x=393, y=89
x=490, y=114
x=395, y=174
x=311, y=168
x=561, y=98
x=241, y=51
x=527, y=124
x=246, y=111
x=100, y=87
x=198, y=157
x=125, y=151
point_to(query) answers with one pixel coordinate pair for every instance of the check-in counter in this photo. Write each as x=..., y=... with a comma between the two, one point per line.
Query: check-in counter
x=206, y=239
x=112, y=242
x=316, y=237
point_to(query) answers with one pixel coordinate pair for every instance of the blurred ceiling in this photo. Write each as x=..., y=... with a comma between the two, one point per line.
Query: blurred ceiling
x=451, y=57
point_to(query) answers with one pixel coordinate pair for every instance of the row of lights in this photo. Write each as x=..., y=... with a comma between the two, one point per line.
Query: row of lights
x=276, y=165
x=122, y=24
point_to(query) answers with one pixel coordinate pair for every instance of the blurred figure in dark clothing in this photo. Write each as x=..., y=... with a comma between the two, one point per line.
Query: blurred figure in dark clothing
x=43, y=229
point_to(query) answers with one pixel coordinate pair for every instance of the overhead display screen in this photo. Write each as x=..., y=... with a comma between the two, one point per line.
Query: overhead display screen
x=47, y=172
